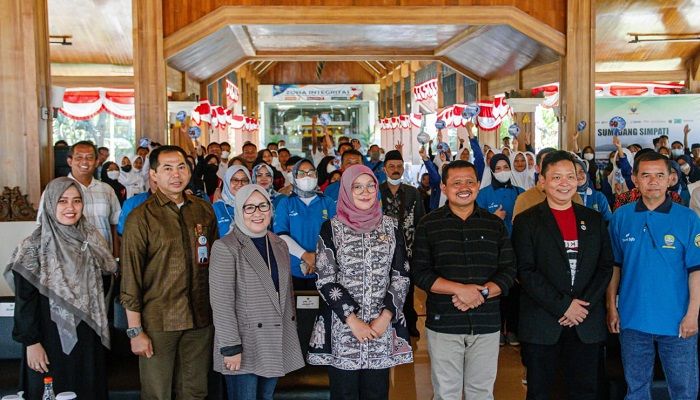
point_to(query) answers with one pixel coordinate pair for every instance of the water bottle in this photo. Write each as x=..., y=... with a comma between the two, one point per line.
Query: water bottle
x=48, y=389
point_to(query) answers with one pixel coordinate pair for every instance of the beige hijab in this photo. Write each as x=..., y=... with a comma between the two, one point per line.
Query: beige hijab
x=65, y=263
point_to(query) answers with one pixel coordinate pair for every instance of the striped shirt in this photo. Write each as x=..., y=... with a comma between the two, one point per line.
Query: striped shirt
x=472, y=251
x=100, y=207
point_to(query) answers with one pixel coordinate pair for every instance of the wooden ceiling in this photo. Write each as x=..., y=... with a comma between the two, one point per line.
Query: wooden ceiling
x=477, y=51
x=615, y=19
x=102, y=40
x=101, y=30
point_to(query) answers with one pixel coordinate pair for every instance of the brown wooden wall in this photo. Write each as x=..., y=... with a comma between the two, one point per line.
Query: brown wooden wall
x=180, y=13
x=305, y=73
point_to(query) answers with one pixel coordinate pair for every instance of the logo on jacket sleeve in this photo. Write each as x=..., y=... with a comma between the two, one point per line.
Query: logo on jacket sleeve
x=697, y=240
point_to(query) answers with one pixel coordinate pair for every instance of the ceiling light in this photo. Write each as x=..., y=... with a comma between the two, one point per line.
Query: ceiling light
x=663, y=37
x=63, y=40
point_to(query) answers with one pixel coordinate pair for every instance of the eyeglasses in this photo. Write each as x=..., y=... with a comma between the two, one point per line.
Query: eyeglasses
x=310, y=173
x=250, y=208
x=359, y=189
x=243, y=181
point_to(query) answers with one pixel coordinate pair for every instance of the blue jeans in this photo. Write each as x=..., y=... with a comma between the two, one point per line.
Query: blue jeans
x=249, y=387
x=679, y=358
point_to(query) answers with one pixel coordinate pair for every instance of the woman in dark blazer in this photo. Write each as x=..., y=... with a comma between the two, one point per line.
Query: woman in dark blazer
x=255, y=339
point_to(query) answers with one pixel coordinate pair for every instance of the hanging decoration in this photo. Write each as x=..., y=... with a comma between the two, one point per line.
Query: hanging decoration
x=426, y=90
x=232, y=94
x=80, y=104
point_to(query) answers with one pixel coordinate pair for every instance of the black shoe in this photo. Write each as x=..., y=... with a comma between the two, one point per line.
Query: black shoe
x=413, y=331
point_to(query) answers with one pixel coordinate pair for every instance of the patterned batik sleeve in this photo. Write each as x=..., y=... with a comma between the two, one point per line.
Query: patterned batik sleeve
x=333, y=293
x=400, y=281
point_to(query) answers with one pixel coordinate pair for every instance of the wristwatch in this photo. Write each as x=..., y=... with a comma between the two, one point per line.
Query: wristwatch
x=133, y=332
x=485, y=293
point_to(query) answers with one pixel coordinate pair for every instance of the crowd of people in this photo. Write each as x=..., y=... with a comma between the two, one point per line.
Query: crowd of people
x=512, y=247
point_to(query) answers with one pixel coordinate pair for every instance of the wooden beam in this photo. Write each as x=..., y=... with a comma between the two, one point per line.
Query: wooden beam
x=369, y=69
x=94, y=81
x=458, y=39
x=457, y=67
x=243, y=37
x=259, y=66
x=149, y=71
x=540, y=75
x=578, y=75
x=527, y=78
x=640, y=76
x=226, y=70
x=267, y=68
x=365, y=15
x=344, y=55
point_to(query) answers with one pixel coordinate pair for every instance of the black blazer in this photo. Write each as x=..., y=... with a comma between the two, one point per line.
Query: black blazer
x=543, y=270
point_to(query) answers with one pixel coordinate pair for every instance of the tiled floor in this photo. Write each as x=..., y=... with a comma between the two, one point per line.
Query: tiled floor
x=412, y=381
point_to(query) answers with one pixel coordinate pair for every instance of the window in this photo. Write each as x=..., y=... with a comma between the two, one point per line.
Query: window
x=470, y=90
x=103, y=129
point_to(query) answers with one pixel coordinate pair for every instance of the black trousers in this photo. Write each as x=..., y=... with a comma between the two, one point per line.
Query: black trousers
x=364, y=384
x=409, y=308
x=578, y=362
x=510, y=310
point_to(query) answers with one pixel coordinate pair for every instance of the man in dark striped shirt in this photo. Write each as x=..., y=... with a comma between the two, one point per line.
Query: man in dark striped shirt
x=463, y=258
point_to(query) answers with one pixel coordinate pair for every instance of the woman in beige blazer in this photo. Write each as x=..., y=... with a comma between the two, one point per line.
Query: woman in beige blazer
x=255, y=339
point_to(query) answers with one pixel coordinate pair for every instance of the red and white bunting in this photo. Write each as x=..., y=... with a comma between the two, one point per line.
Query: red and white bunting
x=232, y=94
x=426, y=90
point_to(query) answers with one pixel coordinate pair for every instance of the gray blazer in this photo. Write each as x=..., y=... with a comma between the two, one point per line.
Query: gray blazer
x=247, y=309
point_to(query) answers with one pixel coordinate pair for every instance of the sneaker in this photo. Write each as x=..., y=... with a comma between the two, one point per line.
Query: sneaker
x=503, y=340
x=512, y=339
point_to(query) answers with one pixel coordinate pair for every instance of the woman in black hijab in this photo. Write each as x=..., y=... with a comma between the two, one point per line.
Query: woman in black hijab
x=109, y=175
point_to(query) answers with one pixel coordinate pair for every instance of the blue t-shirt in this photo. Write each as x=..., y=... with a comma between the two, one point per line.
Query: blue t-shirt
x=224, y=216
x=302, y=223
x=332, y=191
x=129, y=205
x=378, y=169
x=656, y=250
x=490, y=199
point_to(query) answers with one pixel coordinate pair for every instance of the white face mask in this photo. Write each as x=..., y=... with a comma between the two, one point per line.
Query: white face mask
x=307, y=184
x=331, y=167
x=137, y=170
x=276, y=162
x=225, y=154
x=677, y=152
x=113, y=175
x=287, y=176
x=502, y=176
x=394, y=182
x=589, y=156
x=685, y=168
x=381, y=156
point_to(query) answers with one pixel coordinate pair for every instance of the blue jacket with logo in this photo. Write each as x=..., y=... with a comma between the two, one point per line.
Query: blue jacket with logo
x=302, y=223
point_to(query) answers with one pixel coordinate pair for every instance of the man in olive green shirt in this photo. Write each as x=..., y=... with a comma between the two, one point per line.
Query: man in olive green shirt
x=165, y=283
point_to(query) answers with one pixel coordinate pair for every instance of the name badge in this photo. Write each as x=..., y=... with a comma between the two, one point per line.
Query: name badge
x=202, y=246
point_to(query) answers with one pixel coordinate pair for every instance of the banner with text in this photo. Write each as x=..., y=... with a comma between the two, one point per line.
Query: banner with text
x=316, y=92
x=646, y=118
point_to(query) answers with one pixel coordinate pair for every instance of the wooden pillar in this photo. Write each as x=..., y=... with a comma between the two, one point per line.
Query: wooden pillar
x=149, y=71
x=578, y=75
x=441, y=98
x=459, y=89
x=693, y=80
x=26, y=152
